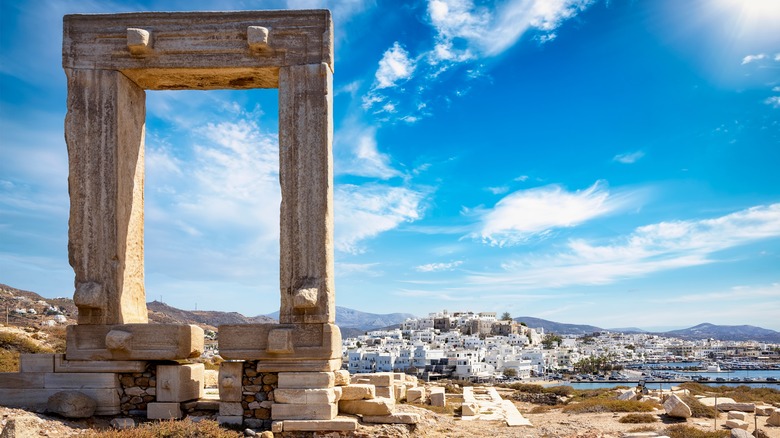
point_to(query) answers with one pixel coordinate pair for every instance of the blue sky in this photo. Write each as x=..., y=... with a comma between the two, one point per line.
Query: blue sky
x=613, y=163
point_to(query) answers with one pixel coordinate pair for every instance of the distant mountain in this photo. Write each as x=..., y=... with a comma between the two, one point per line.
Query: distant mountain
x=558, y=327
x=350, y=318
x=726, y=333
x=165, y=314
x=627, y=330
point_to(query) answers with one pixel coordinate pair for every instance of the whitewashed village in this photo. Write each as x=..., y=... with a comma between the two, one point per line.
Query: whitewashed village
x=480, y=347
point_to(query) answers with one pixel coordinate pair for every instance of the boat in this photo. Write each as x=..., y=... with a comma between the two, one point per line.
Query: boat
x=713, y=368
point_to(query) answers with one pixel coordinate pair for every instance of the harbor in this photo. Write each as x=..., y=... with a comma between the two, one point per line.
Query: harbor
x=664, y=375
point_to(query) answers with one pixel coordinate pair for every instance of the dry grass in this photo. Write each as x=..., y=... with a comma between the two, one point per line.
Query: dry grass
x=170, y=429
x=530, y=388
x=13, y=344
x=541, y=409
x=698, y=410
x=642, y=429
x=9, y=361
x=599, y=404
x=682, y=431
x=638, y=418
x=582, y=394
x=742, y=393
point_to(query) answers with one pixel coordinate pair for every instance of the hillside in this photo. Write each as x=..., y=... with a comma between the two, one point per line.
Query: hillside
x=350, y=318
x=558, y=327
x=163, y=313
x=726, y=333
x=28, y=309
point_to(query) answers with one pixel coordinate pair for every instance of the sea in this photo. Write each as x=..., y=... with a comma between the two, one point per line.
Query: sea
x=675, y=369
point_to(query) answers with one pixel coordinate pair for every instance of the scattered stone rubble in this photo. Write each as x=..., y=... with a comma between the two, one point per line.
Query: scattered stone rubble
x=675, y=407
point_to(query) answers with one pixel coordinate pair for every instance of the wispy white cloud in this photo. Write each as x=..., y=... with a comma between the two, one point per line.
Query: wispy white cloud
x=522, y=178
x=218, y=183
x=628, y=157
x=651, y=248
x=534, y=212
x=498, y=190
x=773, y=101
x=394, y=67
x=357, y=152
x=358, y=269
x=490, y=30
x=735, y=293
x=464, y=33
x=363, y=212
x=437, y=267
x=753, y=58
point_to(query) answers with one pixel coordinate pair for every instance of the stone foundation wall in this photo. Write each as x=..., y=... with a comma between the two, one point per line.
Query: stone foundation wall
x=137, y=390
x=257, y=394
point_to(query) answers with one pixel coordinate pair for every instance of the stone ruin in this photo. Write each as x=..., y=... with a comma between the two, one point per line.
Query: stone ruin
x=284, y=377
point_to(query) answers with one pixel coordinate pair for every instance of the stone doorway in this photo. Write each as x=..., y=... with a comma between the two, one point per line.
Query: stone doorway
x=110, y=60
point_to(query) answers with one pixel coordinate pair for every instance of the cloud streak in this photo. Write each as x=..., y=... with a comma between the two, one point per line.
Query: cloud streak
x=357, y=153
x=438, y=267
x=629, y=157
x=648, y=249
x=535, y=212
x=363, y=212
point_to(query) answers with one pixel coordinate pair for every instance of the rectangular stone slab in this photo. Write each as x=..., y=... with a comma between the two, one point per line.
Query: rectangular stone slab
x=338, y=423
x=306, y=270
x=230, y=381
x=80, y=380
x=317, y=342
x=141, y=342
x=325, y=411
x=104, y=132
x=358, y=391
x=163, y=411
x=178, y=383
x=36, y=363
x=376, y=406
x=305, y=380
x=376, y=379
x=306, y=396
x=183, y=45
x=62, y=365
x=293, y=365
x=21, y=381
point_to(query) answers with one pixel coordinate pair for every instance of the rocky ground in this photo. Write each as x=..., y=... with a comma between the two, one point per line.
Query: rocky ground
x=550, y=424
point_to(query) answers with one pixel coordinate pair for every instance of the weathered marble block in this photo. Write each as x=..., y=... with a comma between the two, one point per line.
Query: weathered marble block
x=178, y=383
x=133, y=342
x=324, y=411
x=283, y=347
